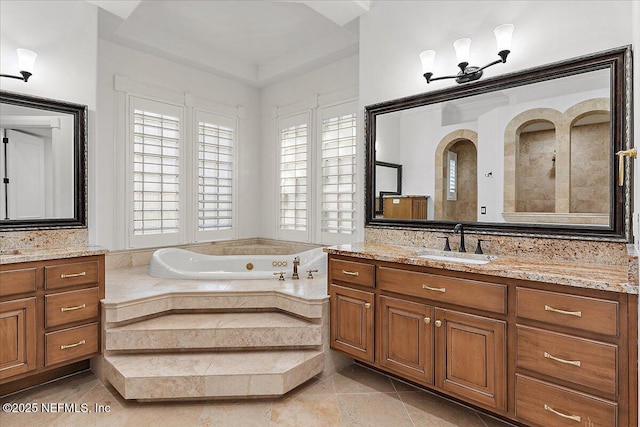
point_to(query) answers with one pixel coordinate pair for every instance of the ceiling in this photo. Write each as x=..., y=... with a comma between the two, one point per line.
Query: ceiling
x=258, y=42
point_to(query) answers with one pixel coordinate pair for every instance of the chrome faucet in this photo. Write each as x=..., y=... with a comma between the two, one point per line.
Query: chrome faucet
x=296, y=263
x=460, y=229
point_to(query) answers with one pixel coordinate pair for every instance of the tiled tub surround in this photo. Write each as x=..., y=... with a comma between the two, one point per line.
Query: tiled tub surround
x=213, y=339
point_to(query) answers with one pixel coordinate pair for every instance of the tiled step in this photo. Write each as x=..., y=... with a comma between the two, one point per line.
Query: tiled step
x=211, y=375
x=215, y=331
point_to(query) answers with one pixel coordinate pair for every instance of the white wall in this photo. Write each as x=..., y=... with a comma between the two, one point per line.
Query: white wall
x=153, y=71
x=65, y=37
x=301, y=91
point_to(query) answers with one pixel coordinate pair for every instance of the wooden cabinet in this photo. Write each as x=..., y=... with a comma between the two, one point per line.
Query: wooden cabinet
x=352, y=322
x=405, y=207
x=17, y=337
x=49, y=319
x=471, y=357
x=537, y=353
x=406, y=338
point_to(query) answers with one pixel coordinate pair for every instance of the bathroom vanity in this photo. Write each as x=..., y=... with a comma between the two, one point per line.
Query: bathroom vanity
x=49, y=315
x=536, y=342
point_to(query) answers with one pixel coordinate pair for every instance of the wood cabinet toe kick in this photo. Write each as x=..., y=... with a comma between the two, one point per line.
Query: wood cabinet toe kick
x=49, y=319
x=537, y=353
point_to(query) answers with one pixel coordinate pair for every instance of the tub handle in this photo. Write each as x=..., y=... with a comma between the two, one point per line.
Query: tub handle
x=280, y=273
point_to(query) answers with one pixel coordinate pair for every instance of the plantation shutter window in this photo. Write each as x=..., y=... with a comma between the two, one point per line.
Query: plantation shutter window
x=215, y=175
x=293, y=178
x=156, y=166
x=338, y=174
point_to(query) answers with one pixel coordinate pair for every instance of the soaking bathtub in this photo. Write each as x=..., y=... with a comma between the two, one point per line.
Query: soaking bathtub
x=174, y=263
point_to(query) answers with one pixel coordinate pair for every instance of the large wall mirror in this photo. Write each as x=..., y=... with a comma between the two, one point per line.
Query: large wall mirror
x=42, y=163
x=531, y=152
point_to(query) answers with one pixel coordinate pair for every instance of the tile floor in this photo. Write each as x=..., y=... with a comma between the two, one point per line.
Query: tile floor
x=355, y=396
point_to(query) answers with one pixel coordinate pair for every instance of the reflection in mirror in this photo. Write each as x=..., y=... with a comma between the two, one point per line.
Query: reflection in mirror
x=42, y=163
x=541, y=153
x=388, y=182
x=37, y=163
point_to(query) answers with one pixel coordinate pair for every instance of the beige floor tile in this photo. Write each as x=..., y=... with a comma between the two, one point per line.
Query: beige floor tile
x=165, y=414
x=106, y=397
x=315, y=386
x=250, y=413
x=68, y=390
x=357, y=379
x=429, y=410
x=309, y=410
x=402, y=386
x=373, y=409
x=493, y=422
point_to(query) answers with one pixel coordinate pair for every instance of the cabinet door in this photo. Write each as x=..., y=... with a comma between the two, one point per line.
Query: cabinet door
x=352, y=322
x=471, y=357
x=406, y=338
x=17, y=337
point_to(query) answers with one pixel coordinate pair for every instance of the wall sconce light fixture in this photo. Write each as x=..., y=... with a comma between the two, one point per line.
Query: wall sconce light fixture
x=26, y=59
x=468, y=73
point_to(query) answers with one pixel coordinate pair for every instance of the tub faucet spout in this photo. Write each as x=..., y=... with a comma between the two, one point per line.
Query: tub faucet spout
x=296, y=263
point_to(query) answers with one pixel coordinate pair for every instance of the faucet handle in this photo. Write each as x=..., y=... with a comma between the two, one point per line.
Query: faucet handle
x=479, y=246
x=310, y=273
x=280, y=273
x=446, y=242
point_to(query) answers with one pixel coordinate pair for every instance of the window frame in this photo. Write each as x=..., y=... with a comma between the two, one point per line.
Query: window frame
x=327, y=112
x=304, y=118
x=213, y=235
x=166, y=108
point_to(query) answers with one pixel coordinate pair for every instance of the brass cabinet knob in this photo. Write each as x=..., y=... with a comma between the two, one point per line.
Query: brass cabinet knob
x=438, y=323
x=427, y=320
x=367, y=305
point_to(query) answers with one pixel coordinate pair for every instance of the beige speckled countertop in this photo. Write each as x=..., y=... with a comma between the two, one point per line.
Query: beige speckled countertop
x=611, y=278
x=14, y=256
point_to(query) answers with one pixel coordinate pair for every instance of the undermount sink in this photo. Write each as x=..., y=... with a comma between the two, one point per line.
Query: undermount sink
x=459, y=257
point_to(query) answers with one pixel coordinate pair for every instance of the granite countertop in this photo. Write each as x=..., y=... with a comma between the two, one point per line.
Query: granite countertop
x=613, y=278
x=13, y=256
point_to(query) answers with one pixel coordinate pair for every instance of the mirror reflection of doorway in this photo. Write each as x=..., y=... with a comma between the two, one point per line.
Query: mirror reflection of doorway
x=23, y=192
x=456, y=197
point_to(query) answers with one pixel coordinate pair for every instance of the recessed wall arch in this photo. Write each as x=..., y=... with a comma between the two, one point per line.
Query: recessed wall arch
x=446, y=143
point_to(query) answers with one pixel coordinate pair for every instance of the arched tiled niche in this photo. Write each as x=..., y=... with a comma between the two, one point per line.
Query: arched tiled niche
x=571, y=168
x=465, y=143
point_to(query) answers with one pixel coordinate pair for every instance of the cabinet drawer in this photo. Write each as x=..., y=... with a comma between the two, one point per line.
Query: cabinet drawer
x=17, y=281
x=62, y=276
x=68, y=307
x=588, y=314
x=463, y=292
x=581, y=361
x=71, y=344
x=353, y=272
x=544, y=404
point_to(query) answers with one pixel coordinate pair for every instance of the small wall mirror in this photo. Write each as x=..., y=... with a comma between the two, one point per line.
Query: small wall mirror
x=530, y=152
x=42, y=162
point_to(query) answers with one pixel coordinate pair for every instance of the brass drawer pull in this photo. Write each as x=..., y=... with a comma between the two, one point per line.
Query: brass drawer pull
x=577, y=418
x=569, y=313
x=66, y=276
x=77, y=307
x=367, y=305
x=557, y=359
x=64, y=347
x=351, y=273
x=443, y=290
x=427, y=320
